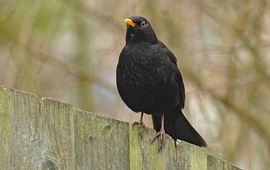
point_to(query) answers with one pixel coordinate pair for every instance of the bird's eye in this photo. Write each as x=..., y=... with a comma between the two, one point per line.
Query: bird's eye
x=143, y=23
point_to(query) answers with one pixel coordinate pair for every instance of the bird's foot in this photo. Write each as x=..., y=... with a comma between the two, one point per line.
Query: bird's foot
x=141, y=128
x=140, y=124
x=160, y=136
x=175, y=143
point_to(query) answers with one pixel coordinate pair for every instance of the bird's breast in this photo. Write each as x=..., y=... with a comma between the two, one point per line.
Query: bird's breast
x=145, y=83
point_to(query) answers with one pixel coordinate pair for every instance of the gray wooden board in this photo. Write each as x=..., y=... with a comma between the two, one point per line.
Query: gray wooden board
x=47, y=134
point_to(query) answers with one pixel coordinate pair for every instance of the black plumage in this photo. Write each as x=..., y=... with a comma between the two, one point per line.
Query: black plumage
x=149, y=81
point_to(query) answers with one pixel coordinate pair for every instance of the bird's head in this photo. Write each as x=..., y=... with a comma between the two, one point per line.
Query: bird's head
x=139, y=30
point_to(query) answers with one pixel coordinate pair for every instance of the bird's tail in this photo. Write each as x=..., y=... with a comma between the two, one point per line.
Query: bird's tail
x=177, y=126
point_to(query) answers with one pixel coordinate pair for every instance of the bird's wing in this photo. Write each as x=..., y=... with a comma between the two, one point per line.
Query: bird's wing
x=173, y=59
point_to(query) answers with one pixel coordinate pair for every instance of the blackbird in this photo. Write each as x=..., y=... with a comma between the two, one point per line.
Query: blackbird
x=149, y=81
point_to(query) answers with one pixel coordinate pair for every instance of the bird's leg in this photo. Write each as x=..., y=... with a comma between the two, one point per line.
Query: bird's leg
x=140, y=124
x=160, y=135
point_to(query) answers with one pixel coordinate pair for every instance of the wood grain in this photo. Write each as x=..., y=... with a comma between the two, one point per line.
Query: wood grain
x=47, y=134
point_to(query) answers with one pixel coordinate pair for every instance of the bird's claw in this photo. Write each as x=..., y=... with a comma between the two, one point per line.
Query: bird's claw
x=160, y=136
x=140, y=124
x=141, y=127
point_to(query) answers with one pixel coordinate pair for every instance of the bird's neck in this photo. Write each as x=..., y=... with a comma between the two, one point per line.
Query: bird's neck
x=149, y=38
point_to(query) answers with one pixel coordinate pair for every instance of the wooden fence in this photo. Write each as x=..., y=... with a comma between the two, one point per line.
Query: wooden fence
x=41, y=133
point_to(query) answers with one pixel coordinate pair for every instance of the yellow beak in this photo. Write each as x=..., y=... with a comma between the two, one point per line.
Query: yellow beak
x=129, y=22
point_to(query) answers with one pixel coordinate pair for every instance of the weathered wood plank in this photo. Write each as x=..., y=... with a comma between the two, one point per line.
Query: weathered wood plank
x=101, y=143
x=18, y=125
x=47, y=134
x=144, y=154
x=57, y=130
x=214, y=163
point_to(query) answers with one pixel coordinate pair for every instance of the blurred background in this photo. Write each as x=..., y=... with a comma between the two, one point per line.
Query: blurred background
x=68, y=50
